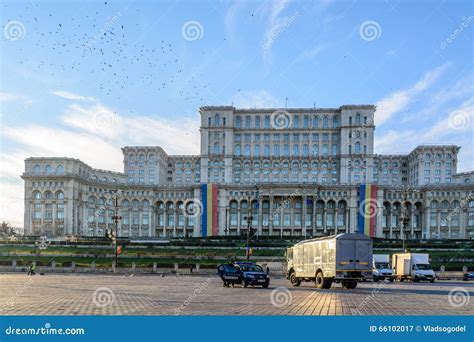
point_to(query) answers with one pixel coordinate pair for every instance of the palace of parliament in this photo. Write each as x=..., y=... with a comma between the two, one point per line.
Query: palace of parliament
x=283, y=172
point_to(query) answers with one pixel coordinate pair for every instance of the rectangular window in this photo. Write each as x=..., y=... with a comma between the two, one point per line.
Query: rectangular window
x=286, y=220
x=297, y=219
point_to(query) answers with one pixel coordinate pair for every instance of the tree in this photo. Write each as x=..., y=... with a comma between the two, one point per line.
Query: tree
x=6, y=229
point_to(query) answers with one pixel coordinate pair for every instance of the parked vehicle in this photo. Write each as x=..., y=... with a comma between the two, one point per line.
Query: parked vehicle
x=381, y=268
x=468, y=276
x=413, y=266
x=344, y=258
x=243, y=273
x=253, y=274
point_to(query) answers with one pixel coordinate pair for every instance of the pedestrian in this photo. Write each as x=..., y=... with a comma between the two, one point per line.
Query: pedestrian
x=268, y=270
x=32, y=270
x=191, y=269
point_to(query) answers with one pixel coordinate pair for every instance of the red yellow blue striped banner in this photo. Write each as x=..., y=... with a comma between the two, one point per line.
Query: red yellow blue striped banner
x=367, y=209
x=209, y=214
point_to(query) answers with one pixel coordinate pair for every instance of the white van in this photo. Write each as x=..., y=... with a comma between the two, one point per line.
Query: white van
x=413, y=266
x=381, y=268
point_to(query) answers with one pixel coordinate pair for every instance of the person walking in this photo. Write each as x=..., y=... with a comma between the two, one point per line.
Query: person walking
x=32, y=270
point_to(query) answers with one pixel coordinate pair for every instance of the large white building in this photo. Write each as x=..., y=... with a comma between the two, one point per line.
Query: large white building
x=300, y=168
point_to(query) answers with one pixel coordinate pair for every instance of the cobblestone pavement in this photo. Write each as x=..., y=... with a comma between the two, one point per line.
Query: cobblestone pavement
x=55, y=294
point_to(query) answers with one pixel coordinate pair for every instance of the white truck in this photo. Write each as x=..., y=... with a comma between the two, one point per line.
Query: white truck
x=381, y=268
x=413, y=266
x=344, y=258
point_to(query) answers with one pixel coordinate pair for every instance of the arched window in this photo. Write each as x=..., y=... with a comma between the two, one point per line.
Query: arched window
x=267, y=122
x=296, y=150
x=60, y=195
x=217, y=120
x=135, y=204
x=276, y=150
x=325, y=150
x=257, y=122
x=48, y=195
x=237, y=150
x=305, y=150
x=325, y=122
x=266, y=150
x=357, y=119
x=48, y=169
x=305, y=121
x=335, y=122
x=209, y=121
x=247, y=150
x=286, y=150
x=36, y=169
x=247, y=122
x=296, y=122
x=315, y=150
x=60, y=169
x=334, y=149
x=125, y=203
x=257, y=150
x=217, y=148
x=357, y=147
x=238, y=122
x=315, y=122
x=37, y=195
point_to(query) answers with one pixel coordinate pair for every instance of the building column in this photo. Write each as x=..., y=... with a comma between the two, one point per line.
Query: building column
x=270, y=218
x=260, y=214
x=303, y=215
x=428, y=222
x=238, y=218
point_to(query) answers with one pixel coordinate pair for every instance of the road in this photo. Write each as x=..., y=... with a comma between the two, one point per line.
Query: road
x=56, y=294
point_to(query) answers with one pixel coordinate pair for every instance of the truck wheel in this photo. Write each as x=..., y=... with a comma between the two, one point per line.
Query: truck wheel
x=327, y=283
x=265, y=286
x=349, y=284
x=245, y=284
x=402, y=280
x=319, y=281
x=294, y=280
x=432, y=280
x=391, y=280
x=416, y=279
x=376, y=279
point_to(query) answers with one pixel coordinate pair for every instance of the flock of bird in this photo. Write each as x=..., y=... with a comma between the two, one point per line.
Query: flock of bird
x=99, y=46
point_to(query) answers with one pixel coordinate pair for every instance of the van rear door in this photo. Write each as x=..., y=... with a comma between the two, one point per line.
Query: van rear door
x=363, y=255
x=345, y=254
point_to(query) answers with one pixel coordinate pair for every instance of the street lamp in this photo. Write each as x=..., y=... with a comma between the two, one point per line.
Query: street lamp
x=116, y=218
x=249, y=219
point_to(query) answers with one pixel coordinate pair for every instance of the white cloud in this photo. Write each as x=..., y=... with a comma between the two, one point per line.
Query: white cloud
x=93, y=134
x=259, y=99
x=275, y=23
x=6, y=97
x=71, y=96
x=399, y=100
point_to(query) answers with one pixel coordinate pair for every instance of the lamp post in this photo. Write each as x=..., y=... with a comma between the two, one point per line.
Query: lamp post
x=249, y=219
x=116, y=219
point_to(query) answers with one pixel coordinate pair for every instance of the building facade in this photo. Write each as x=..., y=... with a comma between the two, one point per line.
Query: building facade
x=294, y=171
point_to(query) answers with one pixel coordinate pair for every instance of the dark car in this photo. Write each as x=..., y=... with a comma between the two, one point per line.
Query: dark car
x=253, y=274
x=468, y=276
x=230, y=274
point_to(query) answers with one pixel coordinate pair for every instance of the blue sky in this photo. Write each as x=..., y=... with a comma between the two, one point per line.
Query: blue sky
x=83, y=78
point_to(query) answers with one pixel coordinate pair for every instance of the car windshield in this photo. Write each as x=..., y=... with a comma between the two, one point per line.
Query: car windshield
x=230, y=269
x=423, y=266
x=251, y=268
x=380, y=265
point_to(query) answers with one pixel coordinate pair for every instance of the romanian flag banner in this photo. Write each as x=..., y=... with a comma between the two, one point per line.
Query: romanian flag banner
x=209, y=213
x=367, y=212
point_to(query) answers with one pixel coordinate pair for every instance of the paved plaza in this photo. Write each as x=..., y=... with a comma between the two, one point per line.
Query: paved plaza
x=55, y=294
